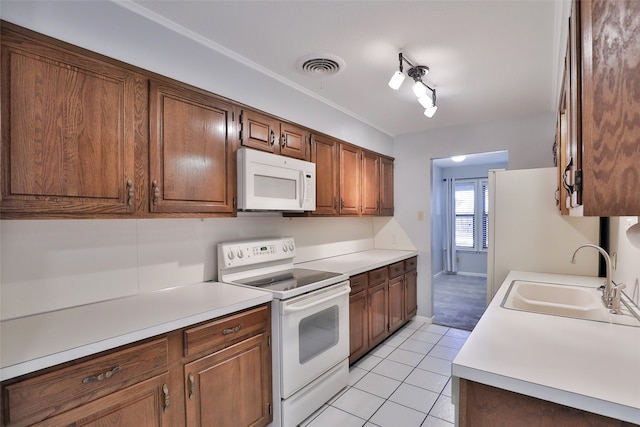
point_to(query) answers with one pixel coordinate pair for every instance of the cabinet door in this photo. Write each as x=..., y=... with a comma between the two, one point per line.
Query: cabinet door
x=350, y=172
x=259, y=131
x=68, y=130
x=610, y=109
x=411, y=293
x=386, y=186
x=378, y=313
x=294, y=141
x=370, y=197
x=358, y=326
x=396, y=303
x=324, y=153
x=146, y=404
x=231, y=387
x=192, y=154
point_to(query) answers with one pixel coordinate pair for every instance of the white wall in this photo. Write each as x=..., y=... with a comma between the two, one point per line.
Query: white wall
x=527, y=139
x=112, y=30
x=626, y=256
x=51, y=264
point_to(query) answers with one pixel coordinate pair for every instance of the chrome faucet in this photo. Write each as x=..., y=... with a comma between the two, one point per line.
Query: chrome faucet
x=610, y=293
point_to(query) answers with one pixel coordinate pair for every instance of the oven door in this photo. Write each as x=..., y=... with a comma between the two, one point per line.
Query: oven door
x=314, y=335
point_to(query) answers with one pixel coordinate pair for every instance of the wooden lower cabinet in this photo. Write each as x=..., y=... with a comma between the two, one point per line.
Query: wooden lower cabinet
x=358, y=326
x=230, y=387
x=378, y=313
x=179, y=378
x=381, y=301
x=481, y=405
x=145, y=404
x=396, y=303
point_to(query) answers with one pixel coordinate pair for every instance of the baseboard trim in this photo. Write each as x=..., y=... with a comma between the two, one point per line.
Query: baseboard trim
x=464, y=273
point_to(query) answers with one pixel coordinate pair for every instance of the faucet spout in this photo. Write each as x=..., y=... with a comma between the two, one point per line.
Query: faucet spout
x=608, y=292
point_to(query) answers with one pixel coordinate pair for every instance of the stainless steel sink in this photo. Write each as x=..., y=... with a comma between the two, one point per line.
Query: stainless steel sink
x=565, y=300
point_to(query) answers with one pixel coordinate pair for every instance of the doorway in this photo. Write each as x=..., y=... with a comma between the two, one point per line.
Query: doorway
x=459, y=244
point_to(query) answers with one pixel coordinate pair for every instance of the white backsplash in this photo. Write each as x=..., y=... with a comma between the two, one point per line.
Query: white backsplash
x=52, y=264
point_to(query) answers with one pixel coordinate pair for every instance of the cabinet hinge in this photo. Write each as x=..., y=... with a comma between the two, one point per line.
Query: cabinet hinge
x=270, y=409
x=269, y=341
x=240, y=127
x=233, y=203
x=578, y=181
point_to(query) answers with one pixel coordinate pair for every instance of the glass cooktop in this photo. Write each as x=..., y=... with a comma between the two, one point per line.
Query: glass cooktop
x=287, y=280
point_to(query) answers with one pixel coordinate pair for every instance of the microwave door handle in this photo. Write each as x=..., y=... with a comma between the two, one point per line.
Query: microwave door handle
x=304, y=189
x=292, y=309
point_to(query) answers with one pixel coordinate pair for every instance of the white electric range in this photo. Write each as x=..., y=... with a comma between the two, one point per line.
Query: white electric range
x=310, y=323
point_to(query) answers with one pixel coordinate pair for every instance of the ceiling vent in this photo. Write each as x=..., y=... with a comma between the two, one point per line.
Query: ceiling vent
x=321, y=65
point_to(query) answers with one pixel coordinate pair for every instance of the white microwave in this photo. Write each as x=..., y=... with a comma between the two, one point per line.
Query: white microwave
x=268, y=182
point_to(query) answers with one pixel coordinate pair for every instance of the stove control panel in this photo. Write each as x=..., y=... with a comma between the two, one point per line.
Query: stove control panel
x=253, y=252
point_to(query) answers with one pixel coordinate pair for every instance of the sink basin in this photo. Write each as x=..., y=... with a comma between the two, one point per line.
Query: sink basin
x=564, y=300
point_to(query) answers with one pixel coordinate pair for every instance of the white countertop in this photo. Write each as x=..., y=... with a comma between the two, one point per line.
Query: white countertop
x=593, y=366
x=358, y=262
x=35, y=342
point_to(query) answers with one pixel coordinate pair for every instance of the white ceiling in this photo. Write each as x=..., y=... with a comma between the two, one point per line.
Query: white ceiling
x=488, y=59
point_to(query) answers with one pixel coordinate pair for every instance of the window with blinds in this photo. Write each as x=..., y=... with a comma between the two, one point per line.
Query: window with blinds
x=472, y=214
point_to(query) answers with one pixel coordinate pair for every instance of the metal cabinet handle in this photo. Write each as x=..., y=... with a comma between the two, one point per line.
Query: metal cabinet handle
x=232, y=330
x=341, y=203
x=103, y=376
x=273, y=138
x=192, y=386
x=167, y=401
x=335, y=203
x=283, y=140
x=567, y=170
x=156, y=192
x=129, y=192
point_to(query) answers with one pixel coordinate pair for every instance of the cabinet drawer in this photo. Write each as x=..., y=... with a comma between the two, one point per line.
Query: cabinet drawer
x=211, y=335
x=48, y=394
x=410, y=264
x=358, y=283
x=377, y=276
x=396, y=269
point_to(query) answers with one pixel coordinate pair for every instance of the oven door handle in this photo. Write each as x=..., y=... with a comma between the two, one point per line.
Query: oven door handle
x=288, y=309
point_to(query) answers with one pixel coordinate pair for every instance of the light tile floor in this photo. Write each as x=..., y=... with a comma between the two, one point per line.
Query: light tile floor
x=405, y=381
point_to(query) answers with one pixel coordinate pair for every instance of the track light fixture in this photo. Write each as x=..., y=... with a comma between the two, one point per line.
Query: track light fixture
x=420, y=88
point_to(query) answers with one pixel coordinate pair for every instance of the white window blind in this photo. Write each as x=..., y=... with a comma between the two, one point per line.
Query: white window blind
x=472, y=214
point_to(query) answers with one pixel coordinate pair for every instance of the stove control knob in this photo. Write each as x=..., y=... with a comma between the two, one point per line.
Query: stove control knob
x=291, y=246
x=240, y=253
x=230, y=255
x=284, y=247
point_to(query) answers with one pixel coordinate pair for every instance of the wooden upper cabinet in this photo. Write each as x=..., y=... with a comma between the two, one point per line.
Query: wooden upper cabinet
x=386, y=187
x=610, y=110
x=294, y=141
x=69, y=126
x=370, y=198
x=350, y=176
x=266, y=133
x=192, y=151
x=602, y=108
x=324, y=153
x=259, y=131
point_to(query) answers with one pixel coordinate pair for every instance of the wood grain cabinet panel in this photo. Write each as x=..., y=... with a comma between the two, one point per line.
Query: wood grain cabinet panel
x=358, y=318
x=143, y=405
x=68, y=130
x=370, y=195
x=396, y=303
x=378, y=313
x=266, y=133
x=350, y=171
x=35, y=399
x=232, y=387
x=485, y=406
x=386, y=187
x=324, y=153
x=192, y=153
x=603, y=108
